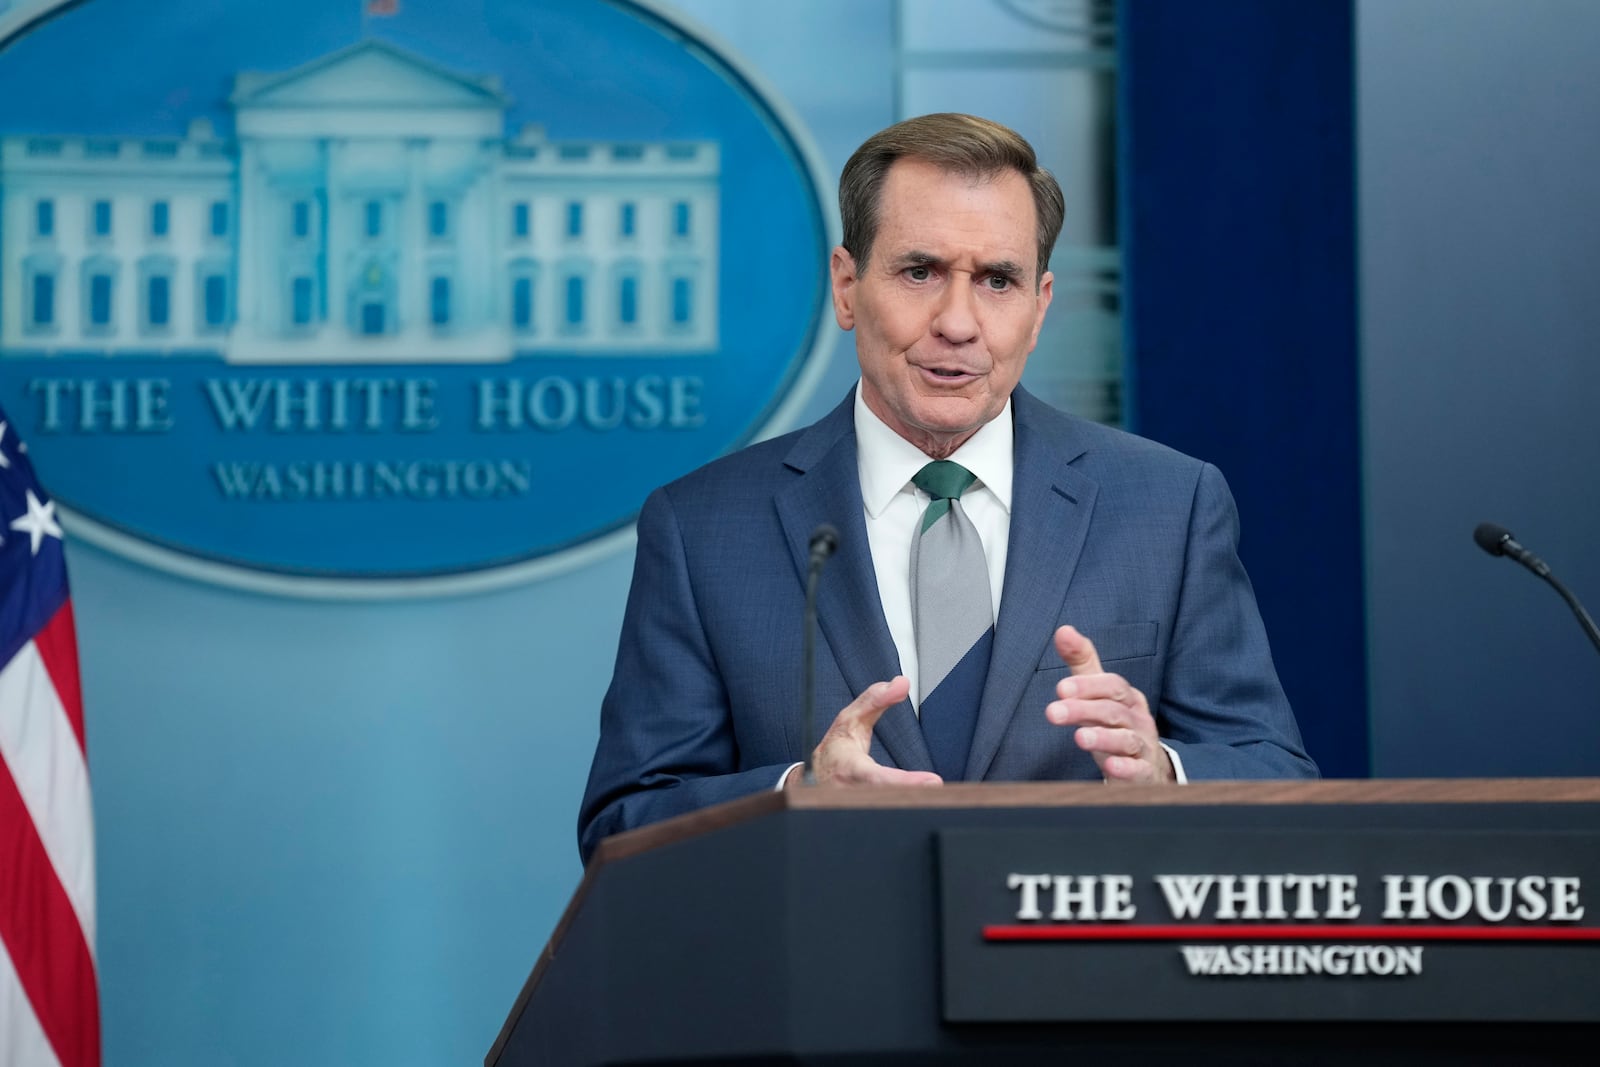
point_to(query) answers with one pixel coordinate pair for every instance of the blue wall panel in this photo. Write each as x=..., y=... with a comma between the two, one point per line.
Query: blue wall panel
x=1238, y=174
x=1480, y=247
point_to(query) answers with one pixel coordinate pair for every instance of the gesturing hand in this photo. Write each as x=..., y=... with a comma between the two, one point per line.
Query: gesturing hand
x=844, y=756
x=1113, y=718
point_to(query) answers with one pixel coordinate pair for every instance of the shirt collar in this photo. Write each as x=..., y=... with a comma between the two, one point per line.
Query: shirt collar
x=888, y=461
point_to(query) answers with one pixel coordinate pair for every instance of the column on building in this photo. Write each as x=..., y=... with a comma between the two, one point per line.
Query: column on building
x=343, y=217
x=412, y=238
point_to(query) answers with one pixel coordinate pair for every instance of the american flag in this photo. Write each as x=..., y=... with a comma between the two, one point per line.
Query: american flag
x=49, y=1003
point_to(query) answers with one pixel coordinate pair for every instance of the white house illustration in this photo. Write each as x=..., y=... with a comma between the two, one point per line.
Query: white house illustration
x=370, y=208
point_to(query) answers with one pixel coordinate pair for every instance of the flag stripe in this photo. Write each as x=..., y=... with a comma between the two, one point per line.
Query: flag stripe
x=58, y=647
x=22, y=1042
x=40, y=932
x=50, y=776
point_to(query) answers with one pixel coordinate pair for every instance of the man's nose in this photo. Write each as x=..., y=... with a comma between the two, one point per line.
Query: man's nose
x=956, y=318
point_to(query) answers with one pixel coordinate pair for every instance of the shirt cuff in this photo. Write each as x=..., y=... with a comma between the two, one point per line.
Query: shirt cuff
x=784, y=777
x=1177, y=765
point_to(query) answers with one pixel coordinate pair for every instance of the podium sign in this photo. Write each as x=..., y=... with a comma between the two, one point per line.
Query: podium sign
x=1056, y=925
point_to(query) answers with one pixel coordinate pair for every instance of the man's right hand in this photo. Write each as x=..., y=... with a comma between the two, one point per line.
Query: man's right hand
x=844, y=756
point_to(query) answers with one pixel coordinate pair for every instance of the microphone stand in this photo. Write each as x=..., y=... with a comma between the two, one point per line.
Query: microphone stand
x=824, y=540
x=1577, y=609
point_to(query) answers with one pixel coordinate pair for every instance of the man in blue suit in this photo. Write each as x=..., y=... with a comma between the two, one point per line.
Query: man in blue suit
x=1105, y=627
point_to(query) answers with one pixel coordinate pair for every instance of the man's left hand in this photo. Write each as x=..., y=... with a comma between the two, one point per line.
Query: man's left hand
x=1113, y=718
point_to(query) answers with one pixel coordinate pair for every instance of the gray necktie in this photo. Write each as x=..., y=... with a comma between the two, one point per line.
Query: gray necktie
x=951, y=615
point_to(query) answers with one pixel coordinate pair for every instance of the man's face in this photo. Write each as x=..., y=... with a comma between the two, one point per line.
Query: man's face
x=947, y=308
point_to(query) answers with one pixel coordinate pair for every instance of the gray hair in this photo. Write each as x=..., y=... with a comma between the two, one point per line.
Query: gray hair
x=960, y=144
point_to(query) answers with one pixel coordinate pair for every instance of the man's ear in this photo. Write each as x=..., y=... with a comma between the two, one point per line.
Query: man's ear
x=1047, y=289
x=842, y=275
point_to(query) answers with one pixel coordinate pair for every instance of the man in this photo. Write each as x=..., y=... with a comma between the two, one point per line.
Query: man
x=1056, y=600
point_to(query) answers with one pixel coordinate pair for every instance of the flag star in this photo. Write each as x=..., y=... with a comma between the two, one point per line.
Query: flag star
x=39, y=521
x=4, y=461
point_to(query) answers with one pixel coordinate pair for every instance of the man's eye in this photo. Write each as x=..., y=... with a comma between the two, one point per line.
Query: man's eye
x=999, y=282
x=918, y=274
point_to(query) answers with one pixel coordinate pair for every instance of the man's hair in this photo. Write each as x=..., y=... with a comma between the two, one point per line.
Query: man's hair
x=960, y=144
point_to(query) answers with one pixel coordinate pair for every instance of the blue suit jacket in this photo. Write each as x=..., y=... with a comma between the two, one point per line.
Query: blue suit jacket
x=1129, y=541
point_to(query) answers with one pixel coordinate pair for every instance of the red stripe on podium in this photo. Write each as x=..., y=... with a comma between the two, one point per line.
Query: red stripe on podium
x=1271, y=932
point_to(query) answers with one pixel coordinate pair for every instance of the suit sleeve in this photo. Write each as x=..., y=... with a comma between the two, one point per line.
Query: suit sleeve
x=1222, y=707
x=667, y=743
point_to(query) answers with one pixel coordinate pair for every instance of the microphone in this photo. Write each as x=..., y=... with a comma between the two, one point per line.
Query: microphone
x=824, y=541
x=1497, y=541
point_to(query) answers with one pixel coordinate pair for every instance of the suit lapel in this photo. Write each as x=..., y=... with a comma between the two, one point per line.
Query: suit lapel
x=1050, y=508
x=849, y=612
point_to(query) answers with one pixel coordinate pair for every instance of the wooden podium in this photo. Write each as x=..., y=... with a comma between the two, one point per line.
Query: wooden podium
x=870, y=926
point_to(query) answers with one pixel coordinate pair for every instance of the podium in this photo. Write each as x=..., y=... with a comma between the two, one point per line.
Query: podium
x=1383, y=921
